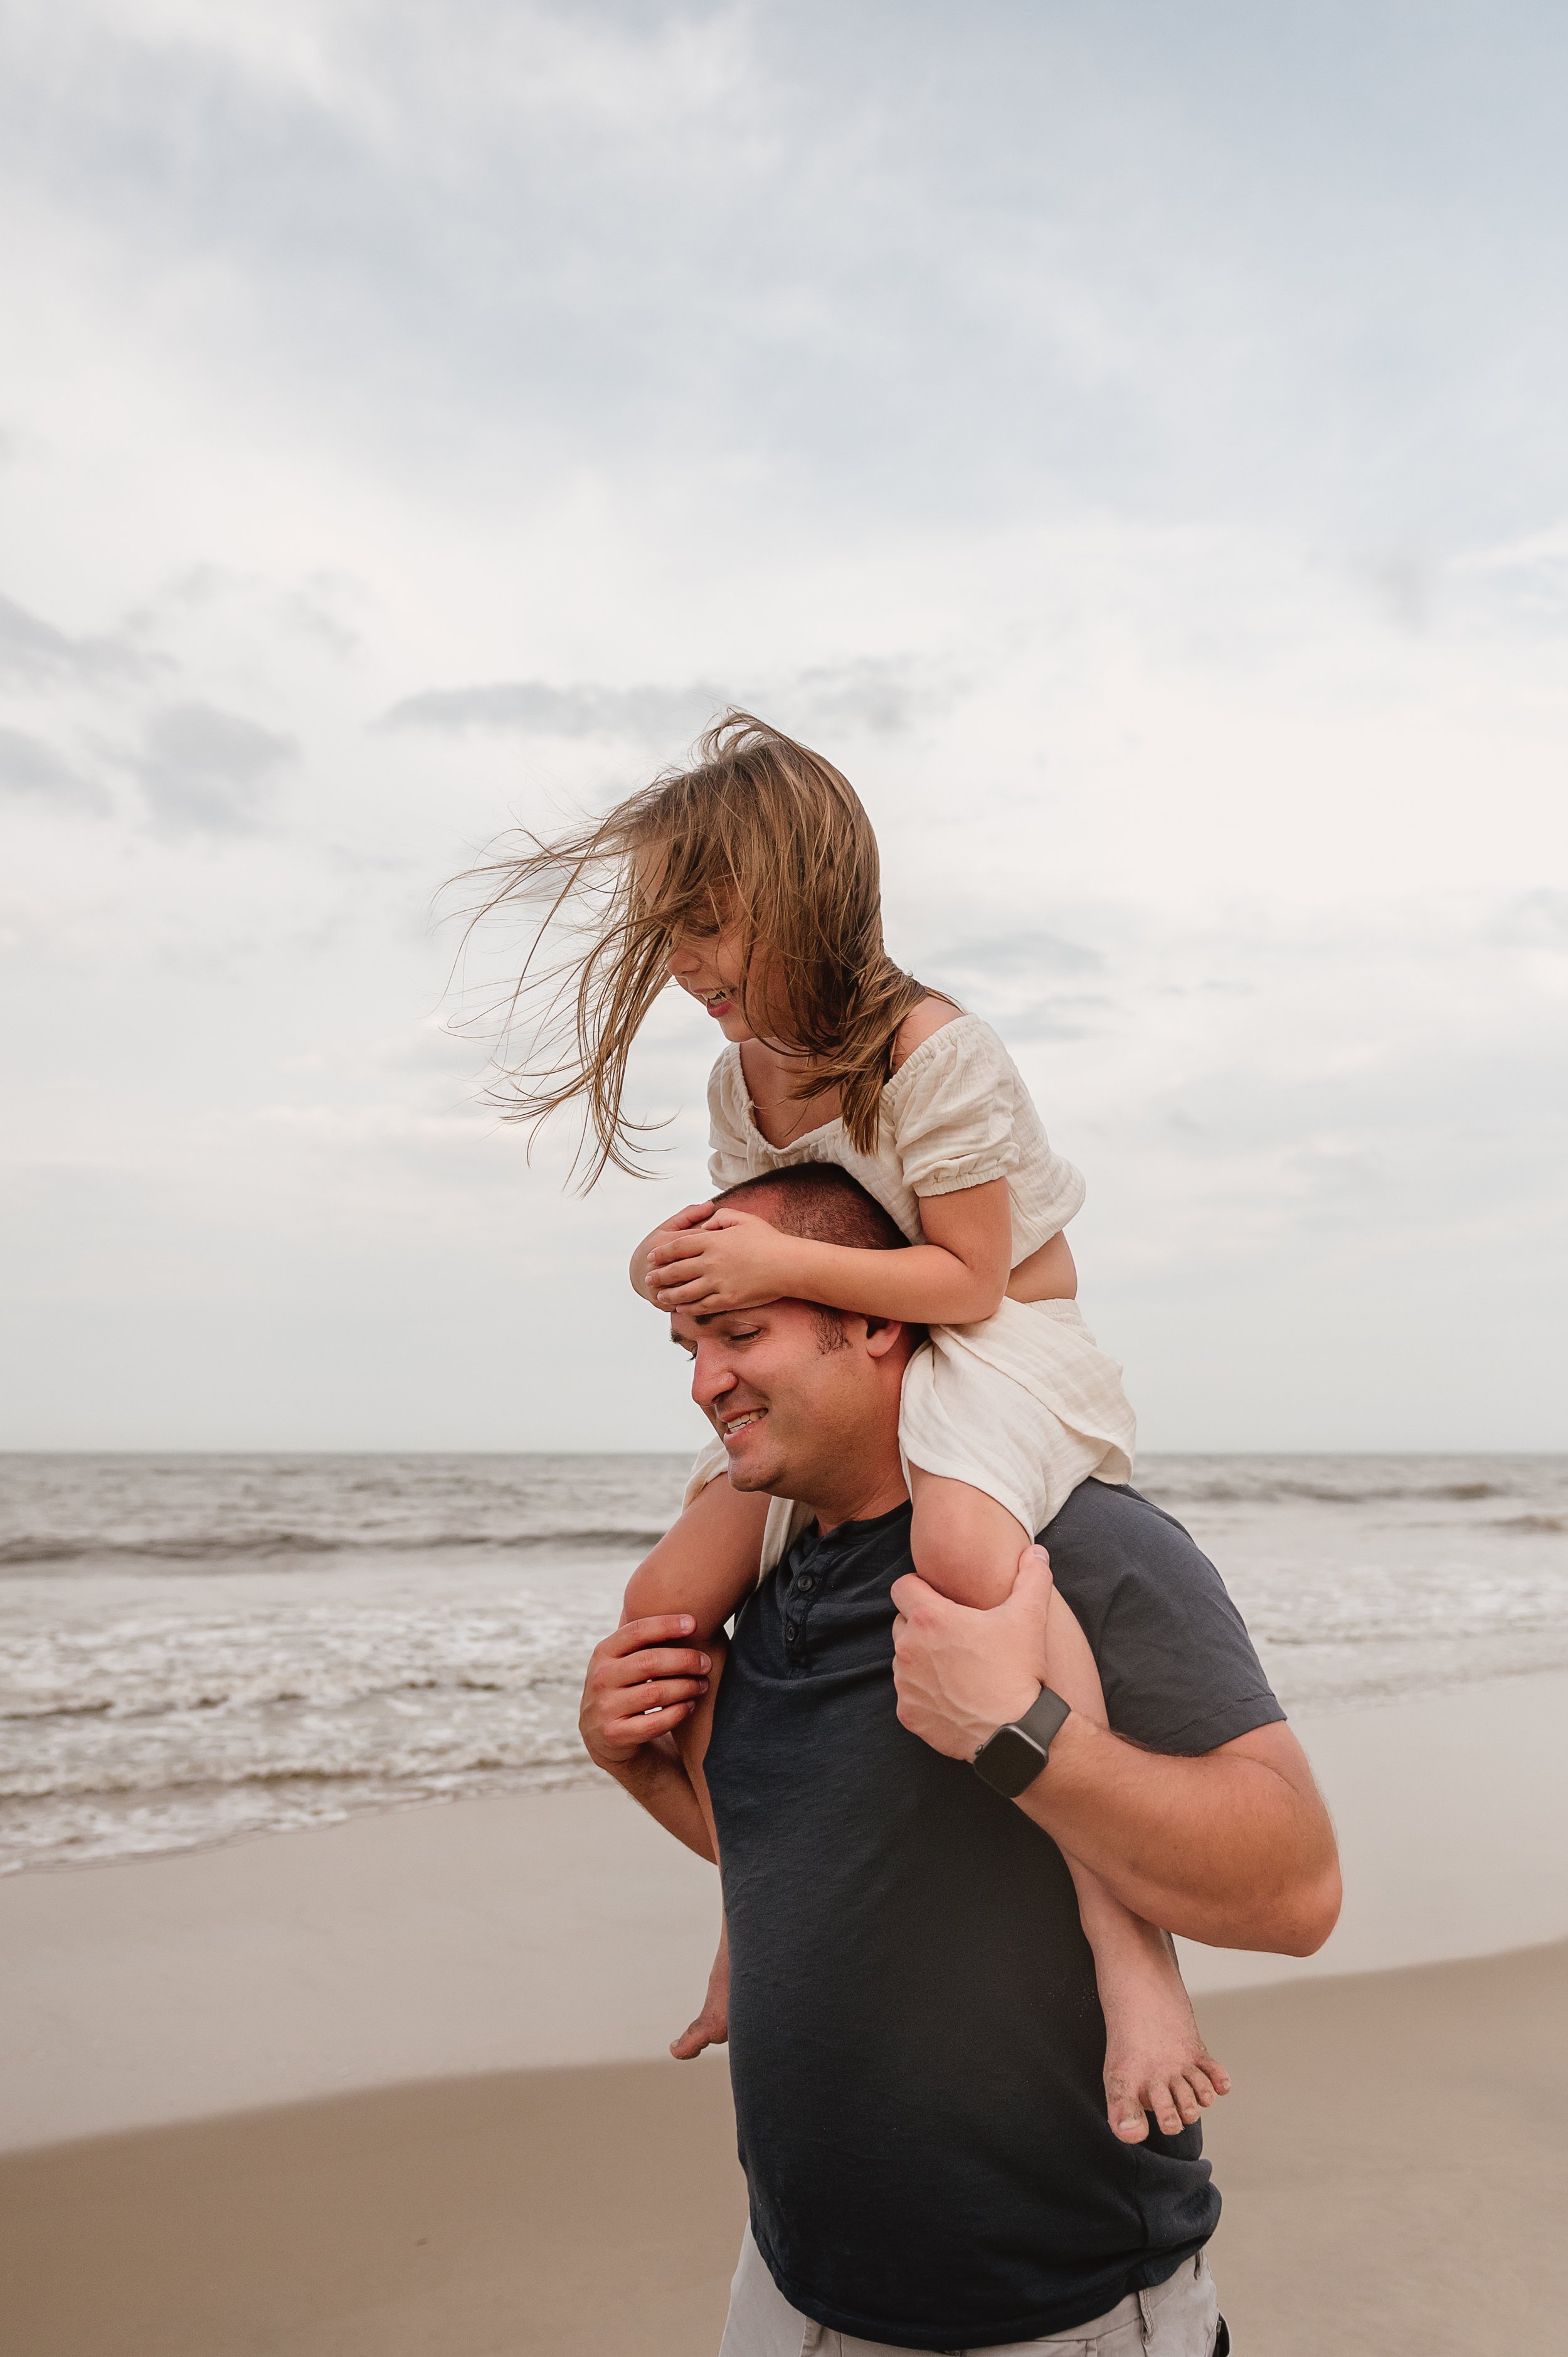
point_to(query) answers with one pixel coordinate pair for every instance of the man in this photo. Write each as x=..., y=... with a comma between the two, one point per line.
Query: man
x=916, y=2042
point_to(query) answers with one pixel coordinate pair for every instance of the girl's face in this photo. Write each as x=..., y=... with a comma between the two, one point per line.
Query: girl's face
x=711, y=967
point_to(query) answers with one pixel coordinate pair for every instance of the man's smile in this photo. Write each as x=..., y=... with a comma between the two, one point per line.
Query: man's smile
x=731, y=1425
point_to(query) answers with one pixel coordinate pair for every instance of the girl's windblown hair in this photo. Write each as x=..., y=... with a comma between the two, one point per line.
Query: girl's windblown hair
x=759, y=835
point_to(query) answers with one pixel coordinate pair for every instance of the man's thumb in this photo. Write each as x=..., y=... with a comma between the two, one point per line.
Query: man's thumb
x=1034, y=1583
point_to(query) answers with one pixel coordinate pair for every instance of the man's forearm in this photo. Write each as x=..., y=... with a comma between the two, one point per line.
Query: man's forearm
x=1233, y=1849
x=657, y=1782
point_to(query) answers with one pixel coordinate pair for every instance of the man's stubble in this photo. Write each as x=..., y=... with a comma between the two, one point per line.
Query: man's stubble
x=823, y=1450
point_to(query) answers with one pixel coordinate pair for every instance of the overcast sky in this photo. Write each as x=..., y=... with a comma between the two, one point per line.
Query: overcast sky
x=1128, y=440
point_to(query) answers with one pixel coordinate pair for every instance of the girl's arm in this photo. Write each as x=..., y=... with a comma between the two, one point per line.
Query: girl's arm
x=706, y=1565
x=736, y=1261
x=691, y=1217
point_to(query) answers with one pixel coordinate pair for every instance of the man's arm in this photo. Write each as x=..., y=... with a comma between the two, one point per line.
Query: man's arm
x=640, y=1684
x=1233, y=1849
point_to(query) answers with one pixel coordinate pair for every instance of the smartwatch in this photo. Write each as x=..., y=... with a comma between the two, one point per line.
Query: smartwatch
x=1016, y=1753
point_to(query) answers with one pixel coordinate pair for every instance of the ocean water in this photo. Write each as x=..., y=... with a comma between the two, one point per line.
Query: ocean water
x=193, y=1648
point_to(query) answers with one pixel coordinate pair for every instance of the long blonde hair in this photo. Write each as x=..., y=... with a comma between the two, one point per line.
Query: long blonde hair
x=759, y=832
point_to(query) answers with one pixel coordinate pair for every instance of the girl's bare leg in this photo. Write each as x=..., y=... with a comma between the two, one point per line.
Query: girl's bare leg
x=968, y=1545
x=711, y=2027
x=1156, y=2060
x=705, y=1565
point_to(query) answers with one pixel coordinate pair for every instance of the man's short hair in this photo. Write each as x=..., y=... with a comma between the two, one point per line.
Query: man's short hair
x=820, y=1202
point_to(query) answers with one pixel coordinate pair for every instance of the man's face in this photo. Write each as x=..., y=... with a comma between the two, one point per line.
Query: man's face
x=794, y=1405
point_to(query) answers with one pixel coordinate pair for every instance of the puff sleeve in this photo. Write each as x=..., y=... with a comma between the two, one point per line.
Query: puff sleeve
x=953, y=1111
x=729, y=1159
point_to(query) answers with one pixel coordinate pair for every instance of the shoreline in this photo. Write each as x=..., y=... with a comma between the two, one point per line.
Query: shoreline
x=553, y=1782
x=1392, y=2164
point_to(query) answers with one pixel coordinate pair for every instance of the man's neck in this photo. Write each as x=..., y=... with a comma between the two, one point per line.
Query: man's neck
x=861, y=1501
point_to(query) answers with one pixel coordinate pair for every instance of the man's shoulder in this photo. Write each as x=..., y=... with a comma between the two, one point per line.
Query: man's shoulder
x=1107, y=1531
x=1178, y=1668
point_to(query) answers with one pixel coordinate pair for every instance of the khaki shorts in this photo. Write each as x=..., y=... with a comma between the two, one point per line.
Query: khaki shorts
x=1180, y=2317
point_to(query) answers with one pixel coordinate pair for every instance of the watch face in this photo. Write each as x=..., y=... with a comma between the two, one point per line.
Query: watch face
x=1010, y=1762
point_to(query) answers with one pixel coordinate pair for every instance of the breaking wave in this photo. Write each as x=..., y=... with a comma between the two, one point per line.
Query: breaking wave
x=195, y=1649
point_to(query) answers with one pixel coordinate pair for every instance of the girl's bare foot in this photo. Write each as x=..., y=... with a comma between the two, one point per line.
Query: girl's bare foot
x=711, y=2027
x=1155, y=2060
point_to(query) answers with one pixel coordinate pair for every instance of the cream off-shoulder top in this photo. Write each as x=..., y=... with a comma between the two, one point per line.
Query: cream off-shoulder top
x=954, y=1114
x=1023, y=1404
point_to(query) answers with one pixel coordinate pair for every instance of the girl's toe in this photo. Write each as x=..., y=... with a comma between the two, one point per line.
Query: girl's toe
x=1165, y=2111
x=1125, y=2112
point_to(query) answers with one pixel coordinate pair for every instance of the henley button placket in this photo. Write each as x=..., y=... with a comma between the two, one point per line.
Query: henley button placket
x=801, y=1585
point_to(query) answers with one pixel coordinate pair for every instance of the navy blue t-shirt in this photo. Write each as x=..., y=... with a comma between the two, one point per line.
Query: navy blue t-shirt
x=916, y=2042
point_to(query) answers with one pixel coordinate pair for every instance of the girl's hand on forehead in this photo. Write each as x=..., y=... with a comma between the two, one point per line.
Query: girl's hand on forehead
x=690, y=1215
x=732, y=1261
x=678, y=1224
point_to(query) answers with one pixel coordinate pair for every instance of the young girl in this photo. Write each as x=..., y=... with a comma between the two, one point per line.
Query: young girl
x=752, y=879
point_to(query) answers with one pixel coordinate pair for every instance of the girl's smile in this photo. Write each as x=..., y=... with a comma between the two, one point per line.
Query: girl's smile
x=722, y=1001
x=710, y=973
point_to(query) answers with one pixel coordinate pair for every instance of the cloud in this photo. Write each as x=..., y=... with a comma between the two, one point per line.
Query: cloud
x=1035, y=984
x=31, y=770
x=534, y=708
x=1534, y=921
x=33, y=651
x=1009, y=959
x=884, y=694
x=222, y=595
x=205, y=772
x=1405, y=582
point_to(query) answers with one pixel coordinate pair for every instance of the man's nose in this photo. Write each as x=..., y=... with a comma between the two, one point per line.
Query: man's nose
x=712, y=1376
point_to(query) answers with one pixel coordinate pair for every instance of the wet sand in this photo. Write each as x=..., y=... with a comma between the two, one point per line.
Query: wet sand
x=1394, y=2162
x=392, y=2086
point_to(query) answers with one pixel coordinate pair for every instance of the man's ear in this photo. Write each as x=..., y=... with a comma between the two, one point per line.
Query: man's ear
x=882, y=1334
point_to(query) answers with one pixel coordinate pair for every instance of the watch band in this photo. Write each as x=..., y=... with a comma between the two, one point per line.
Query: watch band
x=1017, y=1752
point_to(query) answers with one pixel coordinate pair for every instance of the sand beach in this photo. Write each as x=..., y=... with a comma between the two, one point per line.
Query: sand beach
x=1393, y=2163
x=395, y=2085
